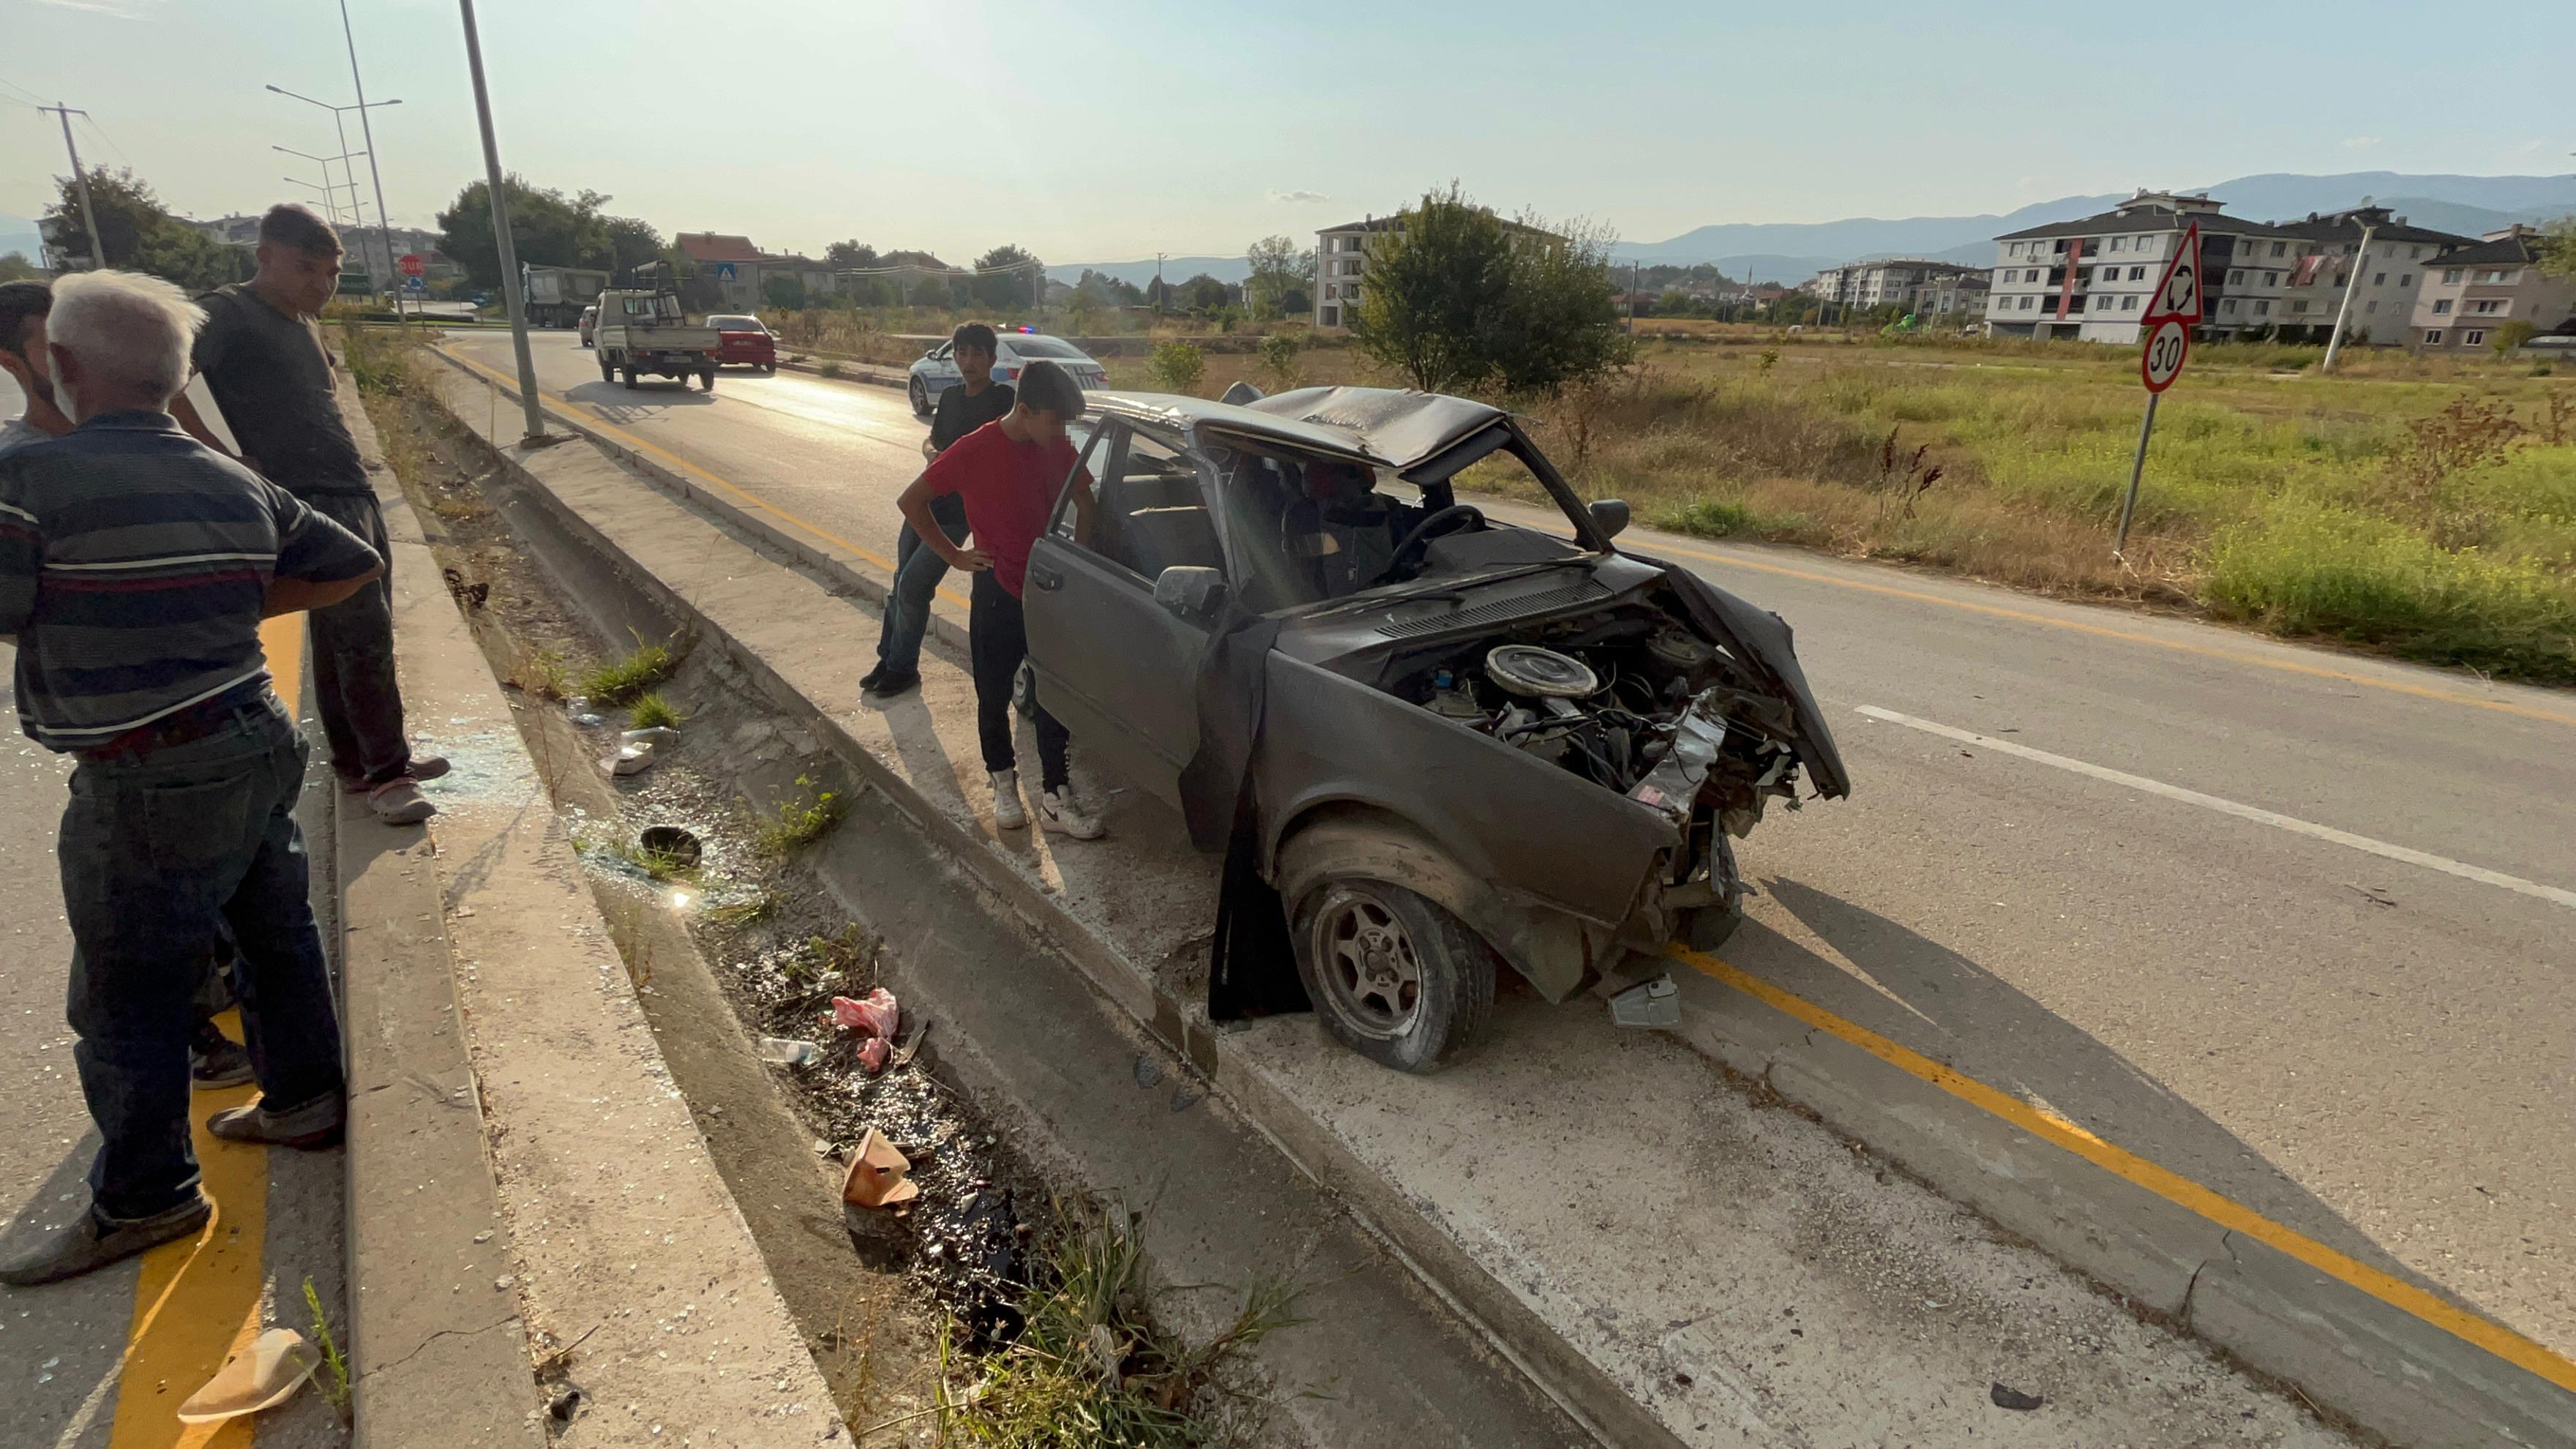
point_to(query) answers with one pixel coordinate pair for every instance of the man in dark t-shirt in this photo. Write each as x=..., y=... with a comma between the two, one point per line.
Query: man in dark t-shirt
x=973, y=402
x=262, y=357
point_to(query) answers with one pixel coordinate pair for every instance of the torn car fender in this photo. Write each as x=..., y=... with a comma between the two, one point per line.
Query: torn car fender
x=1558, y=953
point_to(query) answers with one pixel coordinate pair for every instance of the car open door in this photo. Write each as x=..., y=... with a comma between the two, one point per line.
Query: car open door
x=1114, y=665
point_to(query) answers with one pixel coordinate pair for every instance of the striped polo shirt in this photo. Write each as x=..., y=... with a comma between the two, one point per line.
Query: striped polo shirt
x=134, y=562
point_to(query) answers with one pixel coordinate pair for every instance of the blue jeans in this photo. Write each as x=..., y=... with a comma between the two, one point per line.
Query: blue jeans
x=161, y=852
x=917, y=572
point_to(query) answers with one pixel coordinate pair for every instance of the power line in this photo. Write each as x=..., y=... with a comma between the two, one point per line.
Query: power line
x=101, y=132
x=33, y=99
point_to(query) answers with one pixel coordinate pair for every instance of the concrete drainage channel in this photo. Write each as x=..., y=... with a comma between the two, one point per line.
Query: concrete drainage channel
x=1727, y=1277
x=1026, y=1097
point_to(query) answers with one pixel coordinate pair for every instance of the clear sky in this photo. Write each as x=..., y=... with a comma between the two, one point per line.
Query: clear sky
x=1113, y=129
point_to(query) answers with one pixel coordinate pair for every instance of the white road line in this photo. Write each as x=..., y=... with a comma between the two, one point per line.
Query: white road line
x=2259, y=816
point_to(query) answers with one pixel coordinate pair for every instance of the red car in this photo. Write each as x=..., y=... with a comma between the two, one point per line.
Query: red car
x=746, y=343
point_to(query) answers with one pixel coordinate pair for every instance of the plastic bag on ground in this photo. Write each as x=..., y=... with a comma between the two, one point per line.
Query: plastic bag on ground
x=874, y=1015
x=873, y=1053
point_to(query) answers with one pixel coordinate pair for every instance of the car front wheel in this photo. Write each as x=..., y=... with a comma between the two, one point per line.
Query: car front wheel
x=920, y=399
x=1393, y=977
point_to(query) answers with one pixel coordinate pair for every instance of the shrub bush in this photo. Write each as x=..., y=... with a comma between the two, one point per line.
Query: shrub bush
x=1176, y=367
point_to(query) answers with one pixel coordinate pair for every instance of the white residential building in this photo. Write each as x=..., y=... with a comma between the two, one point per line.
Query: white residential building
x=1918, y=286
x=2384, y=281
x=2468, y=295
x=2091, y=279
x=1341, y=260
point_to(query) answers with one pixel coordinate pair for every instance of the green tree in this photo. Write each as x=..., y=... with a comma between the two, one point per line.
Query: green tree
x=632, y=242
x=1280, y=273
x=787, y=292
x=1437, y=281
x=547, y=228
x=1279, y=359
x=2558, y=247
x=1176, y=367
x=139, y=233
x=16, y=268
x=1201, y=295
x=1110, y=290
x=2512, y=335
x=1008, y=278
x=1559, y=324
x=851, y=255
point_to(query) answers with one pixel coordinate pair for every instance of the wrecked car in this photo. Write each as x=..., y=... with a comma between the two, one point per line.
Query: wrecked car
x=1438, y=740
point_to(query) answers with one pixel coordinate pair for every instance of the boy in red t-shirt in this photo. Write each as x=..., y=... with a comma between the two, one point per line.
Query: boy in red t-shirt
x=1007, y=472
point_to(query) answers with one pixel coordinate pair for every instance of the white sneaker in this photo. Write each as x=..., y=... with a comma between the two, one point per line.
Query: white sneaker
x=1058, y=812
x=1008, y=812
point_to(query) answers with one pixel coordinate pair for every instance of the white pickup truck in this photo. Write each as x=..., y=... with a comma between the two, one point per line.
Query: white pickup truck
x=643, y=331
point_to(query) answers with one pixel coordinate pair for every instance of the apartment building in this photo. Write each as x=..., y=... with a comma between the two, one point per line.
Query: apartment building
x=1341, y=260
x=2383, y=280
x=2467, y=295
x=1924, y=288
x=2090, y=279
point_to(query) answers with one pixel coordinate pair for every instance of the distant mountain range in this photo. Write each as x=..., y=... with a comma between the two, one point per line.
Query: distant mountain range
x=1795, y=251
x=1792, y=252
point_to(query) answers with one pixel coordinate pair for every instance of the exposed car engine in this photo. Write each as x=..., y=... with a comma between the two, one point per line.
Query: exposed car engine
x=1634, y=702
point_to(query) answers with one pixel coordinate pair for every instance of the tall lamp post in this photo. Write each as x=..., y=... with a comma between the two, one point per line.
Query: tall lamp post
x=500, y=195
x=339, y=120
x=330, y=197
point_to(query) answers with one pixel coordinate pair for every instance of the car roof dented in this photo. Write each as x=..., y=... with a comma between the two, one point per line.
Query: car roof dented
x=1395, y=427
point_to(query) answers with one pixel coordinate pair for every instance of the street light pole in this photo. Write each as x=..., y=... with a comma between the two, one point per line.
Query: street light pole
x=510, y=297
x=339, y=122
x=80, y=183
x=2334, y=342
x=330, y=195
x=367, y=130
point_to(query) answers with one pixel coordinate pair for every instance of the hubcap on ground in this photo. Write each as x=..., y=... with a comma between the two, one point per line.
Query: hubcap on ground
x=1370, y=965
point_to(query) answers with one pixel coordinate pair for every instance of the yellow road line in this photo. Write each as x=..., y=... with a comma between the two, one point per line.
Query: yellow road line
x=673, y=460
x=2469, y=1327
x=197, y=1301
x=2232, y=656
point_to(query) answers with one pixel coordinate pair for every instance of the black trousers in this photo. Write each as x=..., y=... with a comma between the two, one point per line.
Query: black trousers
x=354, y=688
x=997, y=636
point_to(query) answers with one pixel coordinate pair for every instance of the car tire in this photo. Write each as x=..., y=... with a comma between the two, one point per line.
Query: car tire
x=627, y=376
x=920, y=399
x=706, y=379
x=767, y=368
x=1435, y=987
x=606, y=372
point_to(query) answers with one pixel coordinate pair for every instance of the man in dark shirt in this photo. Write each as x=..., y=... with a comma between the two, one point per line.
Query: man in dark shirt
x=262, y=357
x=135, y=567
x=973, y=402
x=1008, y=474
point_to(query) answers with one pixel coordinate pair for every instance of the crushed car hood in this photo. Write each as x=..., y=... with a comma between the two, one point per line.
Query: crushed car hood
x=1762, y=638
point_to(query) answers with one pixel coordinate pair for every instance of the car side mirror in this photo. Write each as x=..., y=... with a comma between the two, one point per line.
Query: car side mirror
x=1190, y=591
x=1610, y=516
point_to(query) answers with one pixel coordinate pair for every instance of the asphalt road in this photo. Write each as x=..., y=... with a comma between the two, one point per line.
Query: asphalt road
x=2291, y=922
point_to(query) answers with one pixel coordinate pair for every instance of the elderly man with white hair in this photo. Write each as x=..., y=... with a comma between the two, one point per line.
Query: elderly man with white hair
x=135, y=567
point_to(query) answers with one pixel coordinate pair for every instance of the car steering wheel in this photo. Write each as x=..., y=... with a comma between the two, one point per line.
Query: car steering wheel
x=1440, y=521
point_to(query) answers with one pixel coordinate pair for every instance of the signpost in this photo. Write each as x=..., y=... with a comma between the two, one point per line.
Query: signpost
x=2168, y=325
x=413, y=264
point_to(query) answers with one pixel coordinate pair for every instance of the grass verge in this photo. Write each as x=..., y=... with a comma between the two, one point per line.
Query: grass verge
x=1092, y=1367
x=621, y=681
x=800, y=821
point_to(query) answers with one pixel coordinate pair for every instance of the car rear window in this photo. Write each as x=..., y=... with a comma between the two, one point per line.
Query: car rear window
x=1044, y=347
x=736, y=324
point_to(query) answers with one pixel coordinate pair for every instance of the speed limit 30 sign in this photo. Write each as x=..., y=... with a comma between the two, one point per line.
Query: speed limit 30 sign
x=2168, y=324
x=2168, y=343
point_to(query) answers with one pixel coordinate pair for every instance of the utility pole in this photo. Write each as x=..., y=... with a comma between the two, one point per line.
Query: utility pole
x=2334, y=341
x=367, y=132
x=1158, y=279
x=80, y=182
x=510, y=297
x=1634, y=268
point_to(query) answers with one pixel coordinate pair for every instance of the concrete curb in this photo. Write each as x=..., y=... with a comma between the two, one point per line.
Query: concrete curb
x=518, y=1097
x=427, y=1365
x=870, y=373
x=2349, y=1352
